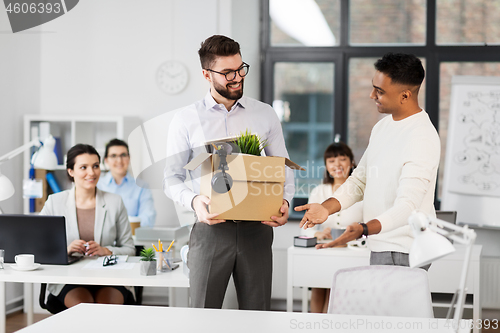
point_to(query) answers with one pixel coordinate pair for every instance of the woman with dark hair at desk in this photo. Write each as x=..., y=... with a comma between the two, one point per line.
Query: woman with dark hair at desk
x=339, y=163
x=96, y=225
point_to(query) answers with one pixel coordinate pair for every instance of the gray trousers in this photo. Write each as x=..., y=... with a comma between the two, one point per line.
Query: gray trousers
x=392, y=258
x=217, y=251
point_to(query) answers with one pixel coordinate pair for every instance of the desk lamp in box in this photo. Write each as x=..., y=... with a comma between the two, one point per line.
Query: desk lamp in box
x=43, y=158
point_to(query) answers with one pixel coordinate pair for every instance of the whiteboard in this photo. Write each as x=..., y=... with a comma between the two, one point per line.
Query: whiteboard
x=471, y=183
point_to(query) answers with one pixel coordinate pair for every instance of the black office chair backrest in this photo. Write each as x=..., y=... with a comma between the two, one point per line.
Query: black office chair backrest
x=448, y=216
x=53, y=304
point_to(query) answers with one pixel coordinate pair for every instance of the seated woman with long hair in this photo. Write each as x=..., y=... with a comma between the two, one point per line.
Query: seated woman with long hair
x=96, y=225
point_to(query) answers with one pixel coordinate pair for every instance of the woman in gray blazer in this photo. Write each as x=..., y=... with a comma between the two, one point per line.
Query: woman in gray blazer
x=96, y=225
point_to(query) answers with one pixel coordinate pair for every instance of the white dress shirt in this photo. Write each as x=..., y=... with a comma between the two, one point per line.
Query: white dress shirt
x=137, y=199
x=206, y=120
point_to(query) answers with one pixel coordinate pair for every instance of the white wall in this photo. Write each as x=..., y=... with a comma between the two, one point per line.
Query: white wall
x=101, y=58
x=19, y=95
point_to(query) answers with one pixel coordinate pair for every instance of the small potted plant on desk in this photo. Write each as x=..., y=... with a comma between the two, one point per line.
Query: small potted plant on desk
x=148, y=262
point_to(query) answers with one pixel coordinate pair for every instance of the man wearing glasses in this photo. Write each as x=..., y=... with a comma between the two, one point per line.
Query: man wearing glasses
x=137, y=198
x=219, y=248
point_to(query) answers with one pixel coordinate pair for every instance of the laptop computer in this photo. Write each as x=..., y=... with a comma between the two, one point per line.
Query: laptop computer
x=41, y=235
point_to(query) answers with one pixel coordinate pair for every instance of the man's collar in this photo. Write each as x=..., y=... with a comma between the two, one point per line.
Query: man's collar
x=127, y=177
x=210, y=102
x=108, y=178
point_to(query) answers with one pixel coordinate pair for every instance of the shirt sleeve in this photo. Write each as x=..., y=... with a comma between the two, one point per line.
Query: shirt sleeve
x=353, y=214
x=276, y=147
x=147, y=211
x=419, y=170
x=178, y=154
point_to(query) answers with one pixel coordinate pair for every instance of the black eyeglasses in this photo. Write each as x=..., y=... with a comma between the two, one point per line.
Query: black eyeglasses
x=122, y=156
x=110, y=260
x=231, y=75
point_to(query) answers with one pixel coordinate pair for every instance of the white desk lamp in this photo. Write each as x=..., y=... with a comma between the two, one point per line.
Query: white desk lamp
x=43, y=158
x=431, y=243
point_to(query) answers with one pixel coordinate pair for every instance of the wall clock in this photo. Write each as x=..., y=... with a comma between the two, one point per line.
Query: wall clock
x=172, y=77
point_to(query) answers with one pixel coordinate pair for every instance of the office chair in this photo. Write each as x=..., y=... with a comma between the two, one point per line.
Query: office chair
x=448, y=216
x=138, y=290
x=381, y=291
x=52, y=304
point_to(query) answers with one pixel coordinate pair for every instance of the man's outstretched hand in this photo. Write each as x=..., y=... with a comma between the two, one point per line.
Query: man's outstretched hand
x=315, y=214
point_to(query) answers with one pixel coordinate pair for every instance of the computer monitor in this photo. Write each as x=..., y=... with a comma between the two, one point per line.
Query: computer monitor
x=41, y=235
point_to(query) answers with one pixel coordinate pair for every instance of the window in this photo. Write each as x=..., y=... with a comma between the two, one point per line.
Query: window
x=304, y=22
x=387, y=22
x=303, y=99
x=468, y=22
x=450, y=36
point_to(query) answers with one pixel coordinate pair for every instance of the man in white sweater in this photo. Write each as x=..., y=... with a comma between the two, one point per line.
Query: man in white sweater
x=397, y=173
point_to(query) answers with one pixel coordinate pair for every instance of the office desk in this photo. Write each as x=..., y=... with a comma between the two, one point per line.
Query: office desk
x=309, y=267
x=127, y=318
x=75, y=274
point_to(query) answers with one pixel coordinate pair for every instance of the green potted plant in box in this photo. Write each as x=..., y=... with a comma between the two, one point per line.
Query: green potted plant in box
x=148, y=262
x=249, y=143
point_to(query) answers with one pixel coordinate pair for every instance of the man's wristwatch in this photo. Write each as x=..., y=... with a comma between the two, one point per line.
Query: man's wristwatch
x=365, y=229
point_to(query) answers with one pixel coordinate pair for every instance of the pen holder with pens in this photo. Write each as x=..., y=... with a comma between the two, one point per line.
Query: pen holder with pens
x=163, y=261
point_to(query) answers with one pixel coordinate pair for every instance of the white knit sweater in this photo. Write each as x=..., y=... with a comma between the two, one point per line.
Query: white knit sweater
x=396, y=175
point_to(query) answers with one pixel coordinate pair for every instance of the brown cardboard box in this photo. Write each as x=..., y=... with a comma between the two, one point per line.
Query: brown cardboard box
x=257, y=191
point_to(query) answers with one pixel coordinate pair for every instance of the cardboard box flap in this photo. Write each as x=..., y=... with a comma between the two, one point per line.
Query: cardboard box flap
x=251, y=168
x=197, y=160
x=293, y=165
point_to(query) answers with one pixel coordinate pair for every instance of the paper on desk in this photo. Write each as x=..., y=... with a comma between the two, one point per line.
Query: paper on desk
x=121, y=263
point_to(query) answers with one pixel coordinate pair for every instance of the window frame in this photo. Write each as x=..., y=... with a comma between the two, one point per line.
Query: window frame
x=341, y=54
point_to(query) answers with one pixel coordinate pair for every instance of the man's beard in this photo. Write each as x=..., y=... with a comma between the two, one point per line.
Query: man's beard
x=231, y=95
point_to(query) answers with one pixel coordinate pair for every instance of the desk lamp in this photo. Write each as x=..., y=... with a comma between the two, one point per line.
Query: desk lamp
x=43, y=158
x=432, y=242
